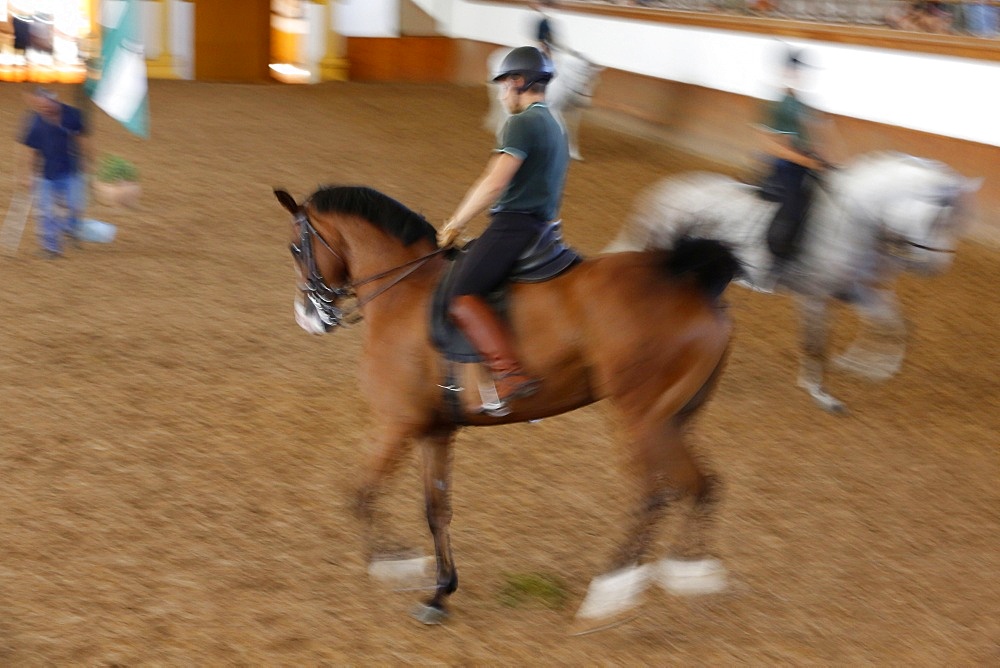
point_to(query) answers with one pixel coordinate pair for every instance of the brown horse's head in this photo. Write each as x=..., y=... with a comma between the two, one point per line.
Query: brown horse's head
x=391, y=243
x=321, y=269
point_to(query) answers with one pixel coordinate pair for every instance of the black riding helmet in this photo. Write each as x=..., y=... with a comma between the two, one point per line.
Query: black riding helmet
x=528, y=62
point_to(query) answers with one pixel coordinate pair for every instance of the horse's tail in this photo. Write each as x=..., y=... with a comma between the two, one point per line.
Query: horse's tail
x=712, y=262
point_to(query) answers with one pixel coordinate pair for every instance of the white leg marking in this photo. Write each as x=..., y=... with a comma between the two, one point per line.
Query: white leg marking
x=692, y=577
x=401, y=570
x=614, y=593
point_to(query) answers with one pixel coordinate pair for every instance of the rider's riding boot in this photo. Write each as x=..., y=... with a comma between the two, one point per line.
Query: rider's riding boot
x=480, y=324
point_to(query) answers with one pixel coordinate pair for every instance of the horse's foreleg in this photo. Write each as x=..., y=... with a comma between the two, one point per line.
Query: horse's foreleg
x=813, y=314
x=877, y=352
x=387, y=557
x=436, y=450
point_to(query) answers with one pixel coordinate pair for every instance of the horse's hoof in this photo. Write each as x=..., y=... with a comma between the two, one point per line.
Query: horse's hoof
x=426, y=613
x=829, y=403
x=611, y=596
x=823, y=399
x=692, y=577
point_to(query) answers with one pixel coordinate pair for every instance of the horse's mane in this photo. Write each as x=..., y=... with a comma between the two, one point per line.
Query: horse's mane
x=874, y=165
x=380, y=210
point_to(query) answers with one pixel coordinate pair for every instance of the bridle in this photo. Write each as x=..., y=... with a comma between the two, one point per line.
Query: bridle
x=894, y=242
x=325, y=298
x=891, y=241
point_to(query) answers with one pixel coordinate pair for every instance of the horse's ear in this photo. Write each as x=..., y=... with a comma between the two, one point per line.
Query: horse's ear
x=286, y=200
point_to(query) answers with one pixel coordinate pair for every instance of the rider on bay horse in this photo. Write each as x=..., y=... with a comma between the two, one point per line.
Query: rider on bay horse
x=523, y=186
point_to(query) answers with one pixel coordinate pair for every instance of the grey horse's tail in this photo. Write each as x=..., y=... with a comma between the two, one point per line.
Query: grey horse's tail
x=712, y=262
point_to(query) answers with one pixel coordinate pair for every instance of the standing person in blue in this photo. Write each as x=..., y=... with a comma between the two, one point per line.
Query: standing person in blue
x=523, y=186
x=54, y=136
x=792, y=134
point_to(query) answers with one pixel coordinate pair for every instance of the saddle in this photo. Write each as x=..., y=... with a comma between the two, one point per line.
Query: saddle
x=547, y=257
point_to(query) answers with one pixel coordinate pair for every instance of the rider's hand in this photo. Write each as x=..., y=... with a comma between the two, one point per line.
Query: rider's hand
x=448, y=234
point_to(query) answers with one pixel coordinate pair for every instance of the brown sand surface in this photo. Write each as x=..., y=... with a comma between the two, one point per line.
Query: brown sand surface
x=176, y=454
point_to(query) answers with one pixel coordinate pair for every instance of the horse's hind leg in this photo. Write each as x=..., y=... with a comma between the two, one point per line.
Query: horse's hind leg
x=690, y=569
x=436, y=451
x=667, y=473
x=673, y=474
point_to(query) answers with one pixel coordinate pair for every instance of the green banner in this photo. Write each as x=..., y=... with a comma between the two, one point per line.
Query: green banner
x=121, y=88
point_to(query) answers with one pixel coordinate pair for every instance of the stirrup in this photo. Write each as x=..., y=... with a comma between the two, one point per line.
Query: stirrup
x=494, y=406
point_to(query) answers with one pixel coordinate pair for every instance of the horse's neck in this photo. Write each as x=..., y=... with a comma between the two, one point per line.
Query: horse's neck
x=369, y=260
x=385, y=255
x=839, y=235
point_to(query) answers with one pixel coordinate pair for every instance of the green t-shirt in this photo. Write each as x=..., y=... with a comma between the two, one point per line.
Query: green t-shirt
x=789, y=116
x=538, y=139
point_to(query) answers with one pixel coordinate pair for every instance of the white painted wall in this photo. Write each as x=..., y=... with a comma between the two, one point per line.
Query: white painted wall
x=368, y=18
x=182, y=37
x=954, y=97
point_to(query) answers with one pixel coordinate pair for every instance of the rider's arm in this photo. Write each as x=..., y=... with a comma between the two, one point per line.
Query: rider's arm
x=780, y=145
x=498, y=173
x=828, y=140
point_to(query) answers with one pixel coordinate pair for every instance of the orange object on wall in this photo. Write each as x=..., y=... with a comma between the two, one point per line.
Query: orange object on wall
x=232, y=40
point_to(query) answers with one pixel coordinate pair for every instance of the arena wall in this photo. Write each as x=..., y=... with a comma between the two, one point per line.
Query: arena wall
x=703, y=120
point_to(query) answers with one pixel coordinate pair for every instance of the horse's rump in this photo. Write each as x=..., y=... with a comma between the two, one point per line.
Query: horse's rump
x=701, y=204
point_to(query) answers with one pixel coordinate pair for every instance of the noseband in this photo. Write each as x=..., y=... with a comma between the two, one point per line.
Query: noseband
x=325, y=298
x=894, y=241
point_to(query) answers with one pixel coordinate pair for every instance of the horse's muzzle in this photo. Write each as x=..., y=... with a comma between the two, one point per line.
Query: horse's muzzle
x=308, y=318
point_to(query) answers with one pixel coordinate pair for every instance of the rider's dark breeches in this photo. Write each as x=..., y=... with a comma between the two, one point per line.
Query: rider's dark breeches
x=783, y=235
x=492, y=255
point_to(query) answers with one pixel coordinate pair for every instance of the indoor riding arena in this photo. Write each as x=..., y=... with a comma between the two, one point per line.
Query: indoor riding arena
x=177, y=456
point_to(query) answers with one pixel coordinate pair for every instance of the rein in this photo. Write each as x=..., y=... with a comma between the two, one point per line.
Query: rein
x=323, y=297
x=416, y=264
x=929, y=248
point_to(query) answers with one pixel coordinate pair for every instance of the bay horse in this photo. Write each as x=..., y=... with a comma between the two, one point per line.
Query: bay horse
x=646, y=330
x=883, y=213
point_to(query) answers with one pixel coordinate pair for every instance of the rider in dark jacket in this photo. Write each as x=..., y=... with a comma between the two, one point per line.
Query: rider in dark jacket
x=523, y=186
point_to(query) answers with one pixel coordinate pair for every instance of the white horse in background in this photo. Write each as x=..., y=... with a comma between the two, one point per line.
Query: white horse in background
x=884, y=213
x=567, y=95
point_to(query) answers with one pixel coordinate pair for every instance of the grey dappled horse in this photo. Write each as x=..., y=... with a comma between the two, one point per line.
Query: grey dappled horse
x=567, y=95
x=884, y=213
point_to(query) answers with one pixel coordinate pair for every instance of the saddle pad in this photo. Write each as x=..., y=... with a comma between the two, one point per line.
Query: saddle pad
x=546, y=258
